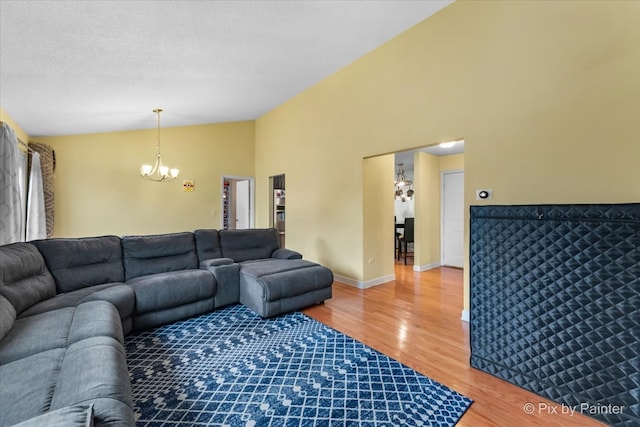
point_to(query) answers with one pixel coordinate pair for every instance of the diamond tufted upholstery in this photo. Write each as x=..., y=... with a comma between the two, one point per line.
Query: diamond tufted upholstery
x=555, y=302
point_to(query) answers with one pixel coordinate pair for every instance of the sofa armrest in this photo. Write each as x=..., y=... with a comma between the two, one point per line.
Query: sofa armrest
x=227, y=275
x=286, y=254
x=215, y=262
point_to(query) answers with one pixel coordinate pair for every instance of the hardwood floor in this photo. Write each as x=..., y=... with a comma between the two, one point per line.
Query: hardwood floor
x=416, y=320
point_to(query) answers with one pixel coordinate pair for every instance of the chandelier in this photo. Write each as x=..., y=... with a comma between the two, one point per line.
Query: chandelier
x=401, y=183
x=158, y=172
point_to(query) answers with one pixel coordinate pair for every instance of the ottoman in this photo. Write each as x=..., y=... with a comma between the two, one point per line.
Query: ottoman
x=274, y=286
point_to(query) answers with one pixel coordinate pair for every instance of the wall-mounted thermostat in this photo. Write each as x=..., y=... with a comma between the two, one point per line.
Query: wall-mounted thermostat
x=484, y=194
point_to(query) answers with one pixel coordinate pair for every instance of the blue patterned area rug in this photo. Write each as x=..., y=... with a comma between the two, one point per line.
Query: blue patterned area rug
x=233, y=368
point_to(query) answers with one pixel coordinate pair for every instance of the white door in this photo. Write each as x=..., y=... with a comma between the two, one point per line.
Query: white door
x=453, y=219
x=236, y=203
x=243, y=212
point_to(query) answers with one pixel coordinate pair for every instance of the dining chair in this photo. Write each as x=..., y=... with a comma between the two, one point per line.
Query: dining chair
x=396, y=239
x=405, y=239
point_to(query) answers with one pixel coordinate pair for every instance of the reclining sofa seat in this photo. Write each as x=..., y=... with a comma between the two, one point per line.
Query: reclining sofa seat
x=272, y=280
x=57, y=358
x=87, y=269
x=164, y=273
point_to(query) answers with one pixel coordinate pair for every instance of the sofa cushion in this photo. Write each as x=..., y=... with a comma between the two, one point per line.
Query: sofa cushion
x=144, y=255
x=265, y=267
x=118, y=294
x=243, y=245
x=159, y=291
x=95, y=370
x=95, y=319
x=153, y=319
x=24, y=278
x=69, y=416
x=279, y=278
x=207, y=244
x=59, y=329
x=215, y=262
x=7, y=316
x=27, y=385
x=80, y=262
x=35, y=334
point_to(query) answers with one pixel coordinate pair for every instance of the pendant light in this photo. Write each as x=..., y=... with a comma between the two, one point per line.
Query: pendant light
x=158, y=172
x=402, y=182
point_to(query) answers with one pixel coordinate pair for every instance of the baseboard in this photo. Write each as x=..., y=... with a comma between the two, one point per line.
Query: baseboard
x=427, y=266
x=465, y=315
x=346, y=280
x=364, y=285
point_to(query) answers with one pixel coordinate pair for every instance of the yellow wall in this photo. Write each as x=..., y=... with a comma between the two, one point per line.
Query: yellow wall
x=545, y=94
x=427, y=209
x=323, y=181
x=452, y=162
x=377, y=207
x=99, y=191
x=21, y=134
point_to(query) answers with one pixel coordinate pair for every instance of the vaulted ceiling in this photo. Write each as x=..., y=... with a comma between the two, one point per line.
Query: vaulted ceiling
x=69, y=67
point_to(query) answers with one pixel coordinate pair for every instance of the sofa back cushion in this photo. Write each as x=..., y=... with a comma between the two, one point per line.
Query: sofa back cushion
x=244, y=245
x=207, y=244
x=158, y=253
x=76, y=263
x=24, y=278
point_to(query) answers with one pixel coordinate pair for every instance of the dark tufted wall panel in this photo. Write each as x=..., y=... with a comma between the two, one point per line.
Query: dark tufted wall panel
x=555, y=303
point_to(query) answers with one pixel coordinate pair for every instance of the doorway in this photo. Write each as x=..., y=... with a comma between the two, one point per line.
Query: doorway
x=453, y=219
x=277, y=206
x=237, y=203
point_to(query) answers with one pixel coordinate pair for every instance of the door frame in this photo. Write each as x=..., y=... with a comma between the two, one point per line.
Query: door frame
x=442, y=174
x=252, y=197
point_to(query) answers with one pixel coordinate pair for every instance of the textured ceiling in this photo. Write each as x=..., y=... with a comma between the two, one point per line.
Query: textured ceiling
x=69, y=67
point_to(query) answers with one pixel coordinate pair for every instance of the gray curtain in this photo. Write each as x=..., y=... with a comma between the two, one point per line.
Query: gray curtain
x=11, y=217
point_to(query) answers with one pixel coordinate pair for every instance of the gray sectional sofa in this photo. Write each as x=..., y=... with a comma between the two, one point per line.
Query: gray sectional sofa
x=66, y=305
